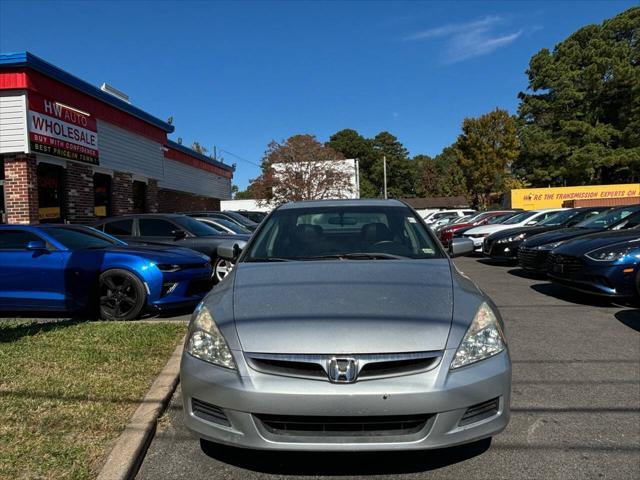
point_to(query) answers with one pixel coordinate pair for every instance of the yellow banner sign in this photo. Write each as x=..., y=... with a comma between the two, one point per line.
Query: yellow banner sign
x=533, y=198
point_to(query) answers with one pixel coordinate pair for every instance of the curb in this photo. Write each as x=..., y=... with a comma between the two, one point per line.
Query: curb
x=127, y=454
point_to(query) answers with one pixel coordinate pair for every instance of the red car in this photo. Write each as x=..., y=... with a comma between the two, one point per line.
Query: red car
x=445, y=234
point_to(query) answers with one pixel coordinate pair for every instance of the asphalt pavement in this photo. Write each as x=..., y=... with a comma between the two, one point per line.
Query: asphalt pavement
x=575, y=404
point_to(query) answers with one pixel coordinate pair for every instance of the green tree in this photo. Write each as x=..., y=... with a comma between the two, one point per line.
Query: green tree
x=486, y=150
x=440, y=176
x=579, y=122
x=400, y=170
x=353, y=145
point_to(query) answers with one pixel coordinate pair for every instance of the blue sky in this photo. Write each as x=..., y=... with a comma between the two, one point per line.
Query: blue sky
x=239, y=74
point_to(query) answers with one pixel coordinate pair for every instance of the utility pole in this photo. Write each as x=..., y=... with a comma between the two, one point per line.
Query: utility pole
x=384, y=169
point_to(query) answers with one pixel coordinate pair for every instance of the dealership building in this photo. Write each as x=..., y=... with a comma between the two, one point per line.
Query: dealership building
x=73, y=152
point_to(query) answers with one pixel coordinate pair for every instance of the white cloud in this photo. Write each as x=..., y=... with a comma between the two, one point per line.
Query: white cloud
x=469, y=39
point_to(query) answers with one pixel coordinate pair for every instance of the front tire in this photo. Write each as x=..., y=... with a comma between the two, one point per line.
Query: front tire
x=121, y=295
x=221, y=269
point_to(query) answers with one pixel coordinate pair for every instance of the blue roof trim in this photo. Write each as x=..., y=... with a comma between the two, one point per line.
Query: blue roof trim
x=199, y=156
x=26, y=59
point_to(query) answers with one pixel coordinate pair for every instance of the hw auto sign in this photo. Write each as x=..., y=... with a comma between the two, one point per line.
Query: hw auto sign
x=62, y=131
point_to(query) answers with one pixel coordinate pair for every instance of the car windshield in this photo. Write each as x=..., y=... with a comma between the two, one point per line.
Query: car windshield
x=240, y=219
x=342, y=233
x=501, y=218
x=81, y=238
x=559, y=218
x=521, y=217
x=234, y=227
x=195, y=227
x=608, y=218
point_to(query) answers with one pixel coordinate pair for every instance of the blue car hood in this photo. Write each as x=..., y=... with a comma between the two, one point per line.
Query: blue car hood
x=343, y=307
x=160, y=254
x=556, y=236
x=588, y=243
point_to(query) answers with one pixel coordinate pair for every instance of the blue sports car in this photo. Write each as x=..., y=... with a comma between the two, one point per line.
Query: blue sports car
x=606, y=263
x=79, y=269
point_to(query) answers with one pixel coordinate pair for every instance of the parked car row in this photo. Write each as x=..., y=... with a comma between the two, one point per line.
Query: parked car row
x=119, y=268
x=592, y=249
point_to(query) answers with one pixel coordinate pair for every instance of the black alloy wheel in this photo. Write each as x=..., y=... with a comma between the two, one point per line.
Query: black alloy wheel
x=122, y=295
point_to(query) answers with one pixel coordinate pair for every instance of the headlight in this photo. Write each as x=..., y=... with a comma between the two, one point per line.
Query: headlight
x=611, y=254
x=483, y=339
x=207, y=343
x=549, y=246
x=166, y=267
x=513, y=238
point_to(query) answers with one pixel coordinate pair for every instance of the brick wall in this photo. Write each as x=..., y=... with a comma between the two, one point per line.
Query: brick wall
x=170, y=201
x=21, y=189
x=122, y=193
x=80, y=195
x=152, y=196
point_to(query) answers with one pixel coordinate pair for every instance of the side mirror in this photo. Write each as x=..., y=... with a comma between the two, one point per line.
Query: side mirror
x=37, y=246
x=460, y=246
x=178, y=234
x=231, y=250
x=531, y=222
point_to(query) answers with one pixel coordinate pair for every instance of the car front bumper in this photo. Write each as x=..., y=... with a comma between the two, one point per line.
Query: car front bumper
x=443, y=396
x=605, y=280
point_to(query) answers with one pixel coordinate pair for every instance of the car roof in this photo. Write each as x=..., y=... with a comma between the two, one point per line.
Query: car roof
x=140, y=215
x=343, y=203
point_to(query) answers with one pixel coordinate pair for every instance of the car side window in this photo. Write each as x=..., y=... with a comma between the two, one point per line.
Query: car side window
x=119, y=227
x=16, y=239
x=156, y=227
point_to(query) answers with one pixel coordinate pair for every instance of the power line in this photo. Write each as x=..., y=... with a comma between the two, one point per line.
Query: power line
x=239, y=157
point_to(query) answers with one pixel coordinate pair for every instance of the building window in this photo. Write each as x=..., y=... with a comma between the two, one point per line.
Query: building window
x=139, y=197
x=51, y=193
x=102, y=194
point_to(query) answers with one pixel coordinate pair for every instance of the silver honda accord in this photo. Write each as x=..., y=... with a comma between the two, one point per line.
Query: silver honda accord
x=345, y=326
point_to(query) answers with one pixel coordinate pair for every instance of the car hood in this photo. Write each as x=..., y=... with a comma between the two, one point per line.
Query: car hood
x=489, y=229
x=343, y=307
x=580, y=246
x=559, y=235
x=160, y=253
x=515, y=231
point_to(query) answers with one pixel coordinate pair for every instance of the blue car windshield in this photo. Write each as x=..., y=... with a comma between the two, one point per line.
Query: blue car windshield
x=342, y=233
x=81, y=238
x=606, y=219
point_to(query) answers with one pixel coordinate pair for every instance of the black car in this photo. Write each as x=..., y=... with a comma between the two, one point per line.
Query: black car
x=253, y=215
x=605, y=263
x=230, y=216
x=533, y=252
x=503, y=245
x=171, y=229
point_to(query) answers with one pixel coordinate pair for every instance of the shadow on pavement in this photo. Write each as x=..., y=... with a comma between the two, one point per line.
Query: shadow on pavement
x=631, y=318
x=497, y=263
x=343, y=463
x=528, y=274
x=566, y=294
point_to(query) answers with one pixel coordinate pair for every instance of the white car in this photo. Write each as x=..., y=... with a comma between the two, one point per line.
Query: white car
x=433, y=217
x=524, y=219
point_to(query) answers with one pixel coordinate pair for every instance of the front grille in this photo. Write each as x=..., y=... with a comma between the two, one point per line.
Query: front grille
x=199, y=286
x=479, y=412
x=290, y=425
x=563, y=265
x=209, y=412
x=369, y=366
x=533, y=259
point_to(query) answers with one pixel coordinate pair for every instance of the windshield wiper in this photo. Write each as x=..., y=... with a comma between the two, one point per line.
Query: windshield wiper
x=356, y=256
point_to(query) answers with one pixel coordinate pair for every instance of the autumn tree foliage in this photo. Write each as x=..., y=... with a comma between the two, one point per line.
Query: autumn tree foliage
x=486, y=150
x=301, y=168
